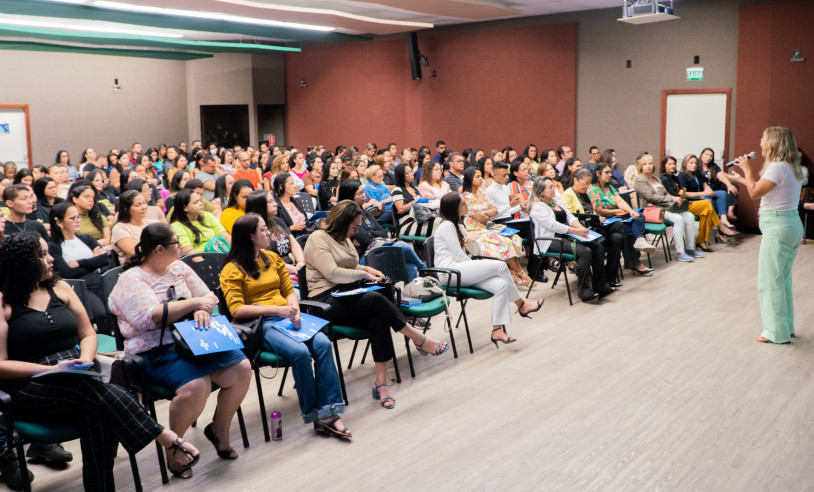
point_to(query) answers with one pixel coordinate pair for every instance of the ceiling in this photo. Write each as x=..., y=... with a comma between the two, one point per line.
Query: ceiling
x=188, y=29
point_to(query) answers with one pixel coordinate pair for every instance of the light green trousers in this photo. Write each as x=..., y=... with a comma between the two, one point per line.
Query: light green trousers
x=782, y=233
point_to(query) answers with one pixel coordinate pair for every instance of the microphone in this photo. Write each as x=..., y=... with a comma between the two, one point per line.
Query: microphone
x=751, y=155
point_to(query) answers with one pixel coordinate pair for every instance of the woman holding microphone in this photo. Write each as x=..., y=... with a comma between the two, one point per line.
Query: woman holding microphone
x=778, y=188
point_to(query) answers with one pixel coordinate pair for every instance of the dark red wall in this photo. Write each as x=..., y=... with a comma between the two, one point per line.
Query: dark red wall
x=494, y=88
x=772, y=91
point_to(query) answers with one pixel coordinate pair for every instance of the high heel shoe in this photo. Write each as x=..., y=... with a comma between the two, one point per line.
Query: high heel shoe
x=224, y=454
x=507, y=341
x=526, y=314
x=641, y=272
x=440, y=348
x=520, y=281
x=387, y=402
x=706, y=249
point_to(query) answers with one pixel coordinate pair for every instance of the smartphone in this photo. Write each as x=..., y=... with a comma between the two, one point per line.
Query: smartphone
x=83, y=366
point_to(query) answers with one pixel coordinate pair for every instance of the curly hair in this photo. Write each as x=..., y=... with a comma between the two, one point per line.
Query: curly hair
x=21, y=268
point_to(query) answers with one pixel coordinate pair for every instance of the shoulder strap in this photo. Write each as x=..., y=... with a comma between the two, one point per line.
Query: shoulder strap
x=164, y=317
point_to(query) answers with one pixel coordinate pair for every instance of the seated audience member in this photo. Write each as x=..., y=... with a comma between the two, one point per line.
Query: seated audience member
x=105, y=192
x=371, y=234
x=360, y=165
x=492, y=276
x=19, y=199
x=255, y=282
x=208, y=174
x=572, y=165
x=153, y=279
x=432, y=184
x=9, y=170
x=454, y=177
x=83, y=196
x=377, y=190
x=180, y=163
x=289, y=208
x=63, y=159
x=39, y=171
x=105, y=414
x=331, y=264
x=127, y=230
x=548, y=170
x=223, y=186
x=480, y=211
x=79, y=256
x=297, y=169
x=236, y=206
x=697, y=187
x=486, y=167
x=404, y=201
x=329, y=183
x=593, y=160
x=45, y=190
x=278, y=165
x=576, y=200
x=153, y=212
x=719, y=182
x=520, y=183
x=198, y=231
x=24, y=176
x=60, y=175
x=650, y=191
x=703, y=209
x=552, y=219
x=281, y=241
x=177, y=183
x=608, y=203
x=312, y=180
x=196, y=185
x=499, y=193
x=617, y=179
x=531, y=152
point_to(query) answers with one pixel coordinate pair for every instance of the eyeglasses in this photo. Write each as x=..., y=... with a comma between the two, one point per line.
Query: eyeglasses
x=173, y=242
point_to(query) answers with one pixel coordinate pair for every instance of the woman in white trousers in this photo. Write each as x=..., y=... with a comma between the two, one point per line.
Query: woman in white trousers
x=492, y=276
x=650, y=190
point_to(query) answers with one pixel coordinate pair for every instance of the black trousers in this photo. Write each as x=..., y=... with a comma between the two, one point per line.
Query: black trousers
x=371, y=311
x=590, y=266
x=614, y=243
x=105, y=414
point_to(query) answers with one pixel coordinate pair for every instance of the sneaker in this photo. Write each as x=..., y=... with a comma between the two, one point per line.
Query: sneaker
x=10, y=470
x=54, y=453
x=683, y=257
x=695, y=254
x=643, y=246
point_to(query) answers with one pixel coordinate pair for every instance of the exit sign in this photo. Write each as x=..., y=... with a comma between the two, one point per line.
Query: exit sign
x=695, y=74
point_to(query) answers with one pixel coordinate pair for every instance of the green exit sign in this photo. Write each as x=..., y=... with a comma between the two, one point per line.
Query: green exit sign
x=695, y=74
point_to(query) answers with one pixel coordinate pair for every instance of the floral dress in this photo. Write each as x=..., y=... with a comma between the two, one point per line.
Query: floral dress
x=600, y=199
x=491, y=243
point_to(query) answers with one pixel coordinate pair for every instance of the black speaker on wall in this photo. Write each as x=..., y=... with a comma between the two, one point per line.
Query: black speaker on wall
x=415, y=56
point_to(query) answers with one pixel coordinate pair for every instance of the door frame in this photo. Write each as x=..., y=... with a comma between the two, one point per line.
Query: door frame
x=668, y=92
x=24, y=107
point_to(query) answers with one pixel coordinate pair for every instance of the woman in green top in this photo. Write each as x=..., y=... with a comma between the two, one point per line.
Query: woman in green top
x=91, y=222
x=197, y=231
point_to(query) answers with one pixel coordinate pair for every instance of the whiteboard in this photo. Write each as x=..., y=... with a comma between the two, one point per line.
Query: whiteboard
x=14, y=136
x=695, y=121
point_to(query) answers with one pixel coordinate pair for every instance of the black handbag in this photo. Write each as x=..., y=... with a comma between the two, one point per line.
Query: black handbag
x=252, y=337
x=179, y=345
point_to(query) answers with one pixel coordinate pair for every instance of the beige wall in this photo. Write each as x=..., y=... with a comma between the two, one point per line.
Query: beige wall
x=73, y=106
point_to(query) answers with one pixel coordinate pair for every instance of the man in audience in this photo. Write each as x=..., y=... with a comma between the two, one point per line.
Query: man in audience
x=264, y=147
x=208, y=173
x=593, y=160
x=564, y=152
x=498, y=192
x=20, y=201
x=135, y=153
x=172, y=153
x=245, y=171
x=440, y=147
x=182, y=146
x=455, y=177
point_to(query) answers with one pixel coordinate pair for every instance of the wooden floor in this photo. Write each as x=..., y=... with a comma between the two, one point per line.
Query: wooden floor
x=659, y=387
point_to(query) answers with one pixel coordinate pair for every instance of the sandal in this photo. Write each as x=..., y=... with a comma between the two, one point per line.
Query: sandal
x=329, y=427
x=387, y=402
x=186, y=470
x=440, y=348
x=228, y=454
x=526, y=314
x=508, y=338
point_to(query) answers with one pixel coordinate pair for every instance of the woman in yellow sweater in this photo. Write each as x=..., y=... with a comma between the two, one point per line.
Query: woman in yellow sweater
x=237, y=203
x=255, y=282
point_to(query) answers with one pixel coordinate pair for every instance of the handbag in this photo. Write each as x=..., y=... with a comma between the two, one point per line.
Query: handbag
x=653, y=214
x=179, y=345
x=252, y=337
x=423, y=288
x=111, y=366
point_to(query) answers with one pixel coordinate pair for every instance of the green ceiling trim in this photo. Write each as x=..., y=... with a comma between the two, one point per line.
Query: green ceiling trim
x=68, y=11
x=43, y=46
x=133, y=40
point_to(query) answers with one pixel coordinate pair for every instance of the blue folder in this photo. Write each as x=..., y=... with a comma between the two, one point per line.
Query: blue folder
x=220, y=336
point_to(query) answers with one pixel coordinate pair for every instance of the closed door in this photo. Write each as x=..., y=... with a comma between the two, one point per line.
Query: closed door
x=693, y=120
x=15, y=144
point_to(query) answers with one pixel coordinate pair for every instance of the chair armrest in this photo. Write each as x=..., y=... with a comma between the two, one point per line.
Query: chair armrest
x=552, y=239
x=316, y=308
x=7, y=408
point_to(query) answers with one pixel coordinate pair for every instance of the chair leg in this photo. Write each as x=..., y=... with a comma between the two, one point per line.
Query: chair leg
x=353, y=353
x=534, y=275
x=664, y=247
x=567, y=285
x=136, y=475
x=341, y=374
x=282, y=383
x=395, y=360
x=21, y=461
x=364, y=354
x=242, y=425
x=260, y=400
x=451, y=336
x=162, y=465
x=466, y=326
x=409, y=356
x=649, y=262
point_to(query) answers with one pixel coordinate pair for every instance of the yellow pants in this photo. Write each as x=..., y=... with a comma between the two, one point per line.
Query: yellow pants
x=707, y=219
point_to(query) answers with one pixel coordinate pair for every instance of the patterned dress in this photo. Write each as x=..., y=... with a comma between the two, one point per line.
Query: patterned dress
x=491, y=243
x=600, y=199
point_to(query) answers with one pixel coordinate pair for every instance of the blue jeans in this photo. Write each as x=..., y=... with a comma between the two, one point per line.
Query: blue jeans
x=719, y=202
x=414, y=263
x=318, y=389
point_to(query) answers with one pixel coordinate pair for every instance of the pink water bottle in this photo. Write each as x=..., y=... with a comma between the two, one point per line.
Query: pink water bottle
x=276, y=426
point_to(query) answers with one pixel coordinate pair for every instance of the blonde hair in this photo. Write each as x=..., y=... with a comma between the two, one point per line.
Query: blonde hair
x=371, y=170
x=276, y=164
x=779, y=146
x=684, y=162
x=379, y=161
x=640, y=161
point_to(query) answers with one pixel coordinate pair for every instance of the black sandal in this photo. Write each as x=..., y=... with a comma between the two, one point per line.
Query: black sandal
x=177, y=445
x=228, y=454
x=328, y=427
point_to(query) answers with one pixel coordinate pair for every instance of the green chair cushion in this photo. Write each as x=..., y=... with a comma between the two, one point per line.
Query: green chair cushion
x=471, y=292
x=351, y=332
x=417, y=239
x=425, y=310
x=271, y=359
x=656, y=229
x=44, y=432
x=160, y=392
x=565, y=256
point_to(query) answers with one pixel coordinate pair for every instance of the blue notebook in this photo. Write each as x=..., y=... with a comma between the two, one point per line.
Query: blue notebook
x=220, y=336
x=592, y=235
x=318, y=215
x=309, y=326
x=356, y=292
x=508, y=231
x=423, y=200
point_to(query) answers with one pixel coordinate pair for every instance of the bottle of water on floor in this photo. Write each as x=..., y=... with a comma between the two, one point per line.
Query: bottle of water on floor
x=276, y=426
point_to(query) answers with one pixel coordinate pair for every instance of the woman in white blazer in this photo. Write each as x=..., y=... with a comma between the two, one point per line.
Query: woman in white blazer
x=493, y=276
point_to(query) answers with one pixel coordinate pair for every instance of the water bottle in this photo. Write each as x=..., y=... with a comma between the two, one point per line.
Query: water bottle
x=276, y=426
